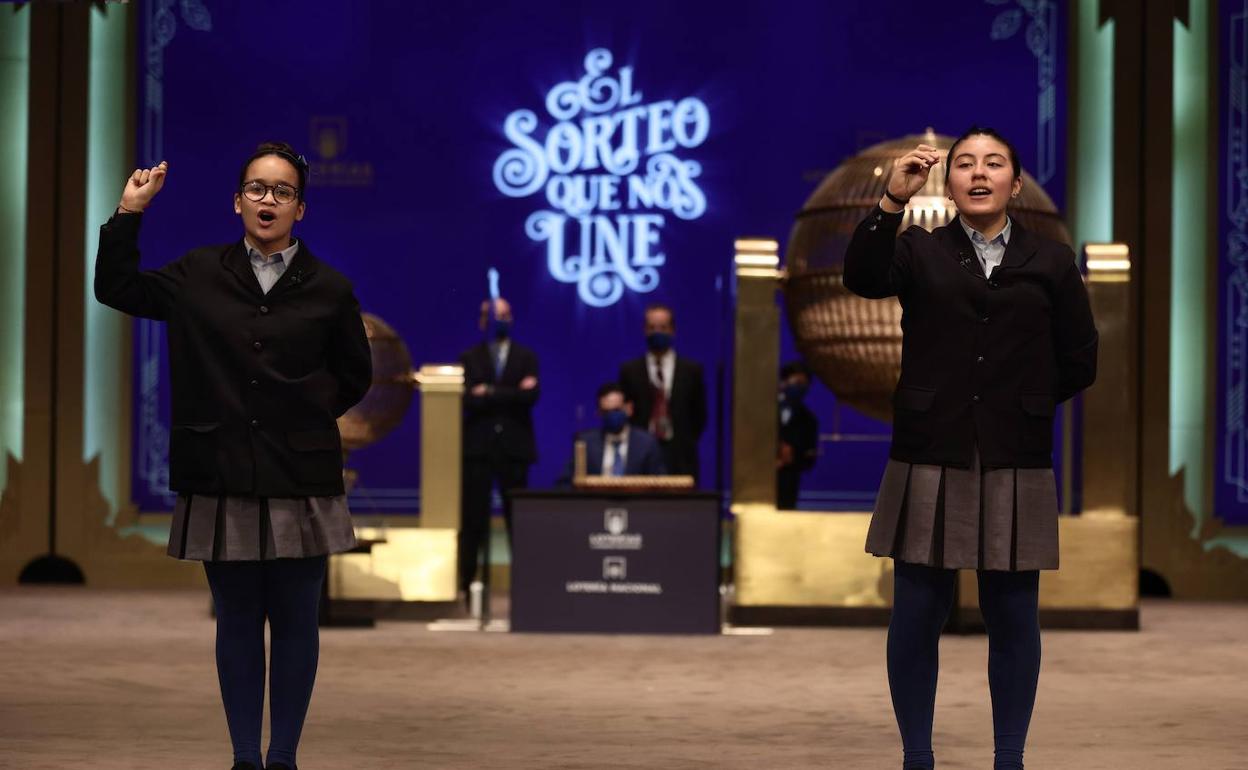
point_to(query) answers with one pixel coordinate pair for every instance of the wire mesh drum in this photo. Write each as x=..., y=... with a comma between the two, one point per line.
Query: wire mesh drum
x=387, y=400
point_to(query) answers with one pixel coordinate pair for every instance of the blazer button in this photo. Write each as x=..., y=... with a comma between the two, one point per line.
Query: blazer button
x=256, y=423
x=498, y=427
x=264, y=309
x=976, y=398
x=255, y=383
x=257, y=345
x=979, y=359
x=994, y=284
x=983, y=320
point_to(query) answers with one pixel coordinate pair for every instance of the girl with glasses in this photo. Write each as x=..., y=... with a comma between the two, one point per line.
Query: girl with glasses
x=266, y=351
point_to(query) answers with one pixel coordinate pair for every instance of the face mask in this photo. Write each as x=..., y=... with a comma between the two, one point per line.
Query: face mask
x=500, y=329
x=614, y=421
x=794, y=393
x=659, y=342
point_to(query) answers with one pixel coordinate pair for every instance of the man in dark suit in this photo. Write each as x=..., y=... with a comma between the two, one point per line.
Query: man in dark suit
x=668, y=393
x=799, y=434
x=617, y=448
x=500, y=378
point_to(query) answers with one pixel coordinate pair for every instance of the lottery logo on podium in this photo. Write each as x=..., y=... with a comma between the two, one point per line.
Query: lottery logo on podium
x=614, y=568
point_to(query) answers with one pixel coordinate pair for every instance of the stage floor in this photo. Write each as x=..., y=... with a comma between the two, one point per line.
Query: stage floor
x=113, y=679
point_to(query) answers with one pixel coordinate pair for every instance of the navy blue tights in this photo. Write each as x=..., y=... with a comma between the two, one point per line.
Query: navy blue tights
x=286, y=592
x=922, y=598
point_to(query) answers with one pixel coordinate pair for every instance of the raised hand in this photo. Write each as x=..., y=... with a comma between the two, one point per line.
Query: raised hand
x=142, y=186
x=910, y=171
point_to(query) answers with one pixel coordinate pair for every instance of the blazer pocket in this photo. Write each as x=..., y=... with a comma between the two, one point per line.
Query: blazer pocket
x=1038, y=404
x=193, y=451
x=198, y=427
x=324, y=440
x=317, y=456
x=914, y=399
x=1037, y=423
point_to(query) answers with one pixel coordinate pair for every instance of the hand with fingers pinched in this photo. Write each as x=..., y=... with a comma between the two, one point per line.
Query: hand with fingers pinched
x=141, y=187
x=910, y=173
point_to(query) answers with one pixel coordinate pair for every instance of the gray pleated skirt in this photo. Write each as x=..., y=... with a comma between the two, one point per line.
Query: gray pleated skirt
x=960, y=518
x=211, y=528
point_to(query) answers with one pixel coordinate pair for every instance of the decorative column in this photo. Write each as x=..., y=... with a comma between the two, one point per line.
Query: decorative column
x=756, y=353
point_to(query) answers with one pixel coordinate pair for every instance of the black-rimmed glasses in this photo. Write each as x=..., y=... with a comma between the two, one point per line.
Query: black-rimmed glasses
x=255, y=190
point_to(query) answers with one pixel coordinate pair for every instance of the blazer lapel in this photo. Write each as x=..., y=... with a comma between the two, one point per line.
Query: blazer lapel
x=644, y=401
x=507, y=365
x=631, y=466
x=595, y=445
x=301, y=268
x=679, y=371
x=237, y=262
x=1021, y=247
x=959, y=246
x=482, y=362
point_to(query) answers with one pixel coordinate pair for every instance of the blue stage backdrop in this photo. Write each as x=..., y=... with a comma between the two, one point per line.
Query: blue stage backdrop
x=1231, y=469
x=600, y=156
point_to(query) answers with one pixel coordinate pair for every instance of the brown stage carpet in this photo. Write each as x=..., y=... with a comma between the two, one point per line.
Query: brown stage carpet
x=112, y=679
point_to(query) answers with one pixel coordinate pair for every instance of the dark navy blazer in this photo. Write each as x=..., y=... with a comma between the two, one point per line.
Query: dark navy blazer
x=644, y=456
x=983, y=360
x=257, y=379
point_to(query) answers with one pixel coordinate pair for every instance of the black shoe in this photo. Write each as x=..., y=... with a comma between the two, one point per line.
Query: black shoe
x=280, y=766
x=244, y=766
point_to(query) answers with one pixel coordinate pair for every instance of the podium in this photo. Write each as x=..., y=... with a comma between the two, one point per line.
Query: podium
x=615, y=561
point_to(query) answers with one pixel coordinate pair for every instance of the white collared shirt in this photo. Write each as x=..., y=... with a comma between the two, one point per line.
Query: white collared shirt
x=269, y=269
x=990, y=253
x=612, y=446
x=668, y=361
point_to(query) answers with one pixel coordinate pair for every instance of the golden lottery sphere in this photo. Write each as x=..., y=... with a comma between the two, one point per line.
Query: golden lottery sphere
x=390, y=395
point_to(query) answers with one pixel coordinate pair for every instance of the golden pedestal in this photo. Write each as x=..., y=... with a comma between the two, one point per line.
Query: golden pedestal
x=417, y=564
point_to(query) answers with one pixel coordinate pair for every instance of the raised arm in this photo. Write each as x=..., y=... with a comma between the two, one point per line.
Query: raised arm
x=876, y=262
x=118, y=281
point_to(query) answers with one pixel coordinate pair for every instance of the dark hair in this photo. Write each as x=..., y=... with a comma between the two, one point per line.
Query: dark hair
x=283, y=151
x=660, y=306
x=794, y=367
x=609, y=388
x=983, y=131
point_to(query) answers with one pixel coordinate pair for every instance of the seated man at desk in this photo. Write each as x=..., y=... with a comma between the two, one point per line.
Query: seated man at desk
x=617, y=448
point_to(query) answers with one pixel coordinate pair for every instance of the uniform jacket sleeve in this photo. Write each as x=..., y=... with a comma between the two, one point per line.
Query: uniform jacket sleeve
x=1075, y=340
x=120, y=284
x=697, y=405
x=877, y=260
x=350, y=358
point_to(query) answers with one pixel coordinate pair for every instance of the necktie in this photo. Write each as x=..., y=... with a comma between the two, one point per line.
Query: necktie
x=660, y=420
x=617, y=465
